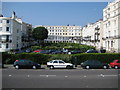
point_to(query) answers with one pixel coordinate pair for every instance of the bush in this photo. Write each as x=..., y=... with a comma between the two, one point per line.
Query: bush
x=44, y=58
x=103, y=57
x=36, y=57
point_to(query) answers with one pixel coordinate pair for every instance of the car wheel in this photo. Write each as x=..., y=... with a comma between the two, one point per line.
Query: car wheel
x=34, y=67
x=87, y=67
x=51, y=67
x=17, y=67
x=105, y=67
x=116, y=67
x=68, y=67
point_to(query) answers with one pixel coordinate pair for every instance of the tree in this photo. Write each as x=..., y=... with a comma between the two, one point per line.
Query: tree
x=40, y=33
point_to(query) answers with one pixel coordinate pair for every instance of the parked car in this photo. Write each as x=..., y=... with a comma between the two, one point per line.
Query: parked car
x=94, y=64
x=57, y=52
x=37, y=51
x=28, y=50
x=59, y=64
x=91, y=51
x=26, y=64
x=75, y=51
x=115, y=64
x=45, y=52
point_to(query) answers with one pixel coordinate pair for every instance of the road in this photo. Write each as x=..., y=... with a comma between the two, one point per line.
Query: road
x=60, y=78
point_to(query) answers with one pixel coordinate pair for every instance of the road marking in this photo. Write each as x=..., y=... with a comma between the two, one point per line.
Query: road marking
x=102, y=75
x=10, y=75
x=47, y=75
x=85, y=76
x=12, y=89
x=66, y=76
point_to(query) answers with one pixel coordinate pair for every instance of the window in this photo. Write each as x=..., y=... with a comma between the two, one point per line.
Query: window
x=109, y=23
x=7, y=21
x=50, y=61
x=17, y=45
x=0, y=46
x=61, y=62
x=114, y=32
x=17, y=37
x=108, y=15
x=7, y=28
x=0, y=28
x=114, y=22
x=118, y=61
x=114, y=6
x=17, y=31
x=106, y=25
x=7, y=45
x=111, y=43
x=108, y=44
x=0, y=21
x=7, y=37
x=55, y=62
x=108, y=8
x=0, y=37
x=114, y=13
x=109, y=33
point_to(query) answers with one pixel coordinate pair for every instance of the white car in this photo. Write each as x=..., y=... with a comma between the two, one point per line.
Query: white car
x=59, y=64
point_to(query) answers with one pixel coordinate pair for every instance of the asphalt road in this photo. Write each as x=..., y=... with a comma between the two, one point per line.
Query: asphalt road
x=60, y=78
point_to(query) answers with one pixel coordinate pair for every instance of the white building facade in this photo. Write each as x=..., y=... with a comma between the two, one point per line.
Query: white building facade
x=111, y=28
x=92, y=34
x=11, y=33
x=68, y=34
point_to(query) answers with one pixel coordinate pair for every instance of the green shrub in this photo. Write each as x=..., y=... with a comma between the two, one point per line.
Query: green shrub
x=103, y=57
x=44, y=58
x=36, y=57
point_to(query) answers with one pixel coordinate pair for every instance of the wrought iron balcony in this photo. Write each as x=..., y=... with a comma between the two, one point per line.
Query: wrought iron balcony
x=112, y=37
x=5, y=41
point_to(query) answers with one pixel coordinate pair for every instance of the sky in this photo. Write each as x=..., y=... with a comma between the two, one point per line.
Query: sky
x=55, y=13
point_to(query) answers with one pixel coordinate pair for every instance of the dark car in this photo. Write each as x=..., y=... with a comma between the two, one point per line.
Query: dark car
x=57, y=52
x=26, y=64
x=37, y=51
x=45, y=52
x=28, y=50
x=94, y=64
x=91, y=51
x=115, y=64
x=75, y=51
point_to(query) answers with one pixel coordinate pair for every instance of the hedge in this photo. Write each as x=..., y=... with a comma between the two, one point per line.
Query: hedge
x=78, y=58
x=103, y=57
x=36, y=57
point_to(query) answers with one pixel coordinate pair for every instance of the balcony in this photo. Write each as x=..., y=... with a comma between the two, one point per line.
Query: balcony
x=112, y=37
x=5, y=41
x=116, y=37
x=97, y=28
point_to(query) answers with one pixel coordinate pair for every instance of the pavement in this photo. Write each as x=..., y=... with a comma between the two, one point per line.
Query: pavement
x=60, y=78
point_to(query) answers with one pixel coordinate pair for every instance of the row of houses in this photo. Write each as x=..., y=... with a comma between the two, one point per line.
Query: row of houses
x=103, y=34
x=14, y=33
